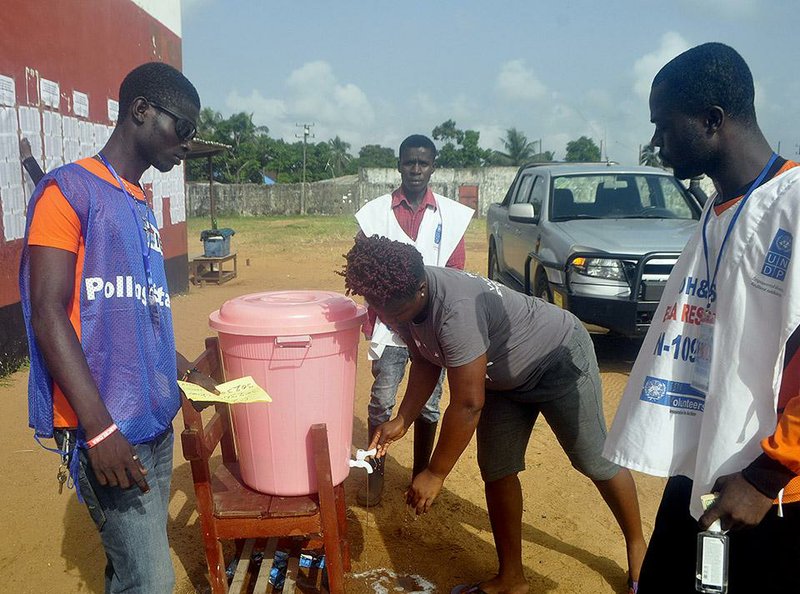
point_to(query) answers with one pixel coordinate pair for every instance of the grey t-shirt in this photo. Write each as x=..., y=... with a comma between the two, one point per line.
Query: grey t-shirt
x=469, y=315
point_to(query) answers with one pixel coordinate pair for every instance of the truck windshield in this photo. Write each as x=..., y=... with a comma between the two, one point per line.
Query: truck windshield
x=619, y=196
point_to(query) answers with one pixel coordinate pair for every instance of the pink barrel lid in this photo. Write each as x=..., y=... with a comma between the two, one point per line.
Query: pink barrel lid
x=277, y=313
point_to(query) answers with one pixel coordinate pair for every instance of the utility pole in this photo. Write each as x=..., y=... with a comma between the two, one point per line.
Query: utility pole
x=304, y=136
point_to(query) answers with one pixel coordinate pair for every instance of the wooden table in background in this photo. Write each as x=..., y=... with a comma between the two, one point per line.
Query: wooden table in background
x=204, y=269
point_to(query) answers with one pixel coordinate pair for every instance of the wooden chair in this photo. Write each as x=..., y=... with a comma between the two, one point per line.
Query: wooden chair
x=229, y=510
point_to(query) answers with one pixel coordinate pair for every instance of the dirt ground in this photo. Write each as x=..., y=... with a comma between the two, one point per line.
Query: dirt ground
x=571, y=543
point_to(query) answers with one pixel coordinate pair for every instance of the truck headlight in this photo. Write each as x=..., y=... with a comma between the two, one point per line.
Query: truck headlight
x=606, y=268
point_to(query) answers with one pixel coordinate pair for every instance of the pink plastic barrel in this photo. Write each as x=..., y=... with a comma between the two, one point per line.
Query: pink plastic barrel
x=301, y=347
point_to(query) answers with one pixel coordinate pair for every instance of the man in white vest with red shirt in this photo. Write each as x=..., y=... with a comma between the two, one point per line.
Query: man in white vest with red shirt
x=435, y=225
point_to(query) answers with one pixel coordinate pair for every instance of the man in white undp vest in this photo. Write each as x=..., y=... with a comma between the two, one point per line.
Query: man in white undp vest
x=435, y=225
x=712, y=400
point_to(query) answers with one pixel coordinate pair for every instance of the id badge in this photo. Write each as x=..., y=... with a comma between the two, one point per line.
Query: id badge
x=705, y=346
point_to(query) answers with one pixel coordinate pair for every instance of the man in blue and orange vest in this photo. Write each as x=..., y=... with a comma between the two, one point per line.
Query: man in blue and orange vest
x=104, y=369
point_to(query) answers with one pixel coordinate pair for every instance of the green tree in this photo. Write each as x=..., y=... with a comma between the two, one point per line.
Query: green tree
x=340, y=156
x=246, y=159
x=375, y=155
x=648, y=156
x=584, y=149
x=461, y=147
x=519, y=150
x=543, y=157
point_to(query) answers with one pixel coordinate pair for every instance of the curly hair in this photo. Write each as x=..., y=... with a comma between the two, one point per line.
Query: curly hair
x=381, y=270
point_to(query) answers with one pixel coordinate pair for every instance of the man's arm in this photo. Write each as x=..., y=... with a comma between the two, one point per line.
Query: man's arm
x=29, y=161
x=52, y=280
x=746, y=496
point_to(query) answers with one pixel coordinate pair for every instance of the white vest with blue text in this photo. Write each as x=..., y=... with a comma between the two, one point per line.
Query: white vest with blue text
x=665, y=426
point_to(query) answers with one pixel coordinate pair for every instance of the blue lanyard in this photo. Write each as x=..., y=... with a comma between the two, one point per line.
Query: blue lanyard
x=713, y=280
x=142, y=238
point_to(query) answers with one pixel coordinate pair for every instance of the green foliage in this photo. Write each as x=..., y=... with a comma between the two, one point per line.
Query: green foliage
x=374, y=155
x=461, y=147
x=255, y=154
x=339, y=158
x=518, y=150
x=584, y=150
x=649, y=156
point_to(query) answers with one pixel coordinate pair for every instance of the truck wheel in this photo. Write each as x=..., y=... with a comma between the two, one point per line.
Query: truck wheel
x=493, y=268
x=542, y=287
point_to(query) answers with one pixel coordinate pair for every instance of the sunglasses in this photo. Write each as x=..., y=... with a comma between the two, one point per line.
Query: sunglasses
x=185, y=129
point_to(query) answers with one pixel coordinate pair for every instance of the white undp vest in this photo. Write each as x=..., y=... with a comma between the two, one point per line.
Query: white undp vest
x=437, y=238
x=666, y=427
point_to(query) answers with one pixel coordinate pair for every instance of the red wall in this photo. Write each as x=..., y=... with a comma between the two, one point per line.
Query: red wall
x=88, y=45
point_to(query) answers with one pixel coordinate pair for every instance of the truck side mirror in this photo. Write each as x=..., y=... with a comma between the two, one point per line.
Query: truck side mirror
x=522, y=213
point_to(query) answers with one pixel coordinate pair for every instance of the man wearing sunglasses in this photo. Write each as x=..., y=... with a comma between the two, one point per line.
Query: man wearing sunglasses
x=98, y=316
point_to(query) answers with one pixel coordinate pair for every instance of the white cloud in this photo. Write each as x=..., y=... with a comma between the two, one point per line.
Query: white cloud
x=646, y=67
x=517, y=82
x=264, y=110
x=312, y=93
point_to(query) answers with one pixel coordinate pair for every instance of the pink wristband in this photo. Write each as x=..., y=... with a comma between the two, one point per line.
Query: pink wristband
x=102, y=435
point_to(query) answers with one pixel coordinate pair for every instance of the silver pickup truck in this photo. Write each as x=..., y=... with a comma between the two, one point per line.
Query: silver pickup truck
x=599, y=240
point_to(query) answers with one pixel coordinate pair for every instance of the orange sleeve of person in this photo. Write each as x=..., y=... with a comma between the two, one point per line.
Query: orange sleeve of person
x=55, y=223
x=784, y=445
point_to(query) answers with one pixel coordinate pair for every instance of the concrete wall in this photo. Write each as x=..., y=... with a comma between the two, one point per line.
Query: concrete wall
x=347, y=194
x=341, y=195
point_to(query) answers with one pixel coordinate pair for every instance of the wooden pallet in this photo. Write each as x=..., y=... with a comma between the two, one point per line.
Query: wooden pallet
x=253, y=578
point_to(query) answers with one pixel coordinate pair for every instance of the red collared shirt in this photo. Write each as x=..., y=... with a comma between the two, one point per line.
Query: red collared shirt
x=410, y=219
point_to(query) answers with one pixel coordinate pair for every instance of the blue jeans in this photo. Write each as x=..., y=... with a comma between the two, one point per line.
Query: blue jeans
x=388, y=372
x=132, y=524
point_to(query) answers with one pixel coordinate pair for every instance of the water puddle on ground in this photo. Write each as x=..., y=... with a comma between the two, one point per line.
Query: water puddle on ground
x=385, y=581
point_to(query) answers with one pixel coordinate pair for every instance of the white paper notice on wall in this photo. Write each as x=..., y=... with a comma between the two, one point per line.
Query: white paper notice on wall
x=80, y=104
x=113, y=110
x=8, y=91
x=50, y=93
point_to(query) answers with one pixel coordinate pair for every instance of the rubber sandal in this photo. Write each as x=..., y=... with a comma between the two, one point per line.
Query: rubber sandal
x=633, y=587
x=468, y=589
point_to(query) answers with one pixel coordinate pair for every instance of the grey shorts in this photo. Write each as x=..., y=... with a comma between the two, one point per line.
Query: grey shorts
x=570, y=397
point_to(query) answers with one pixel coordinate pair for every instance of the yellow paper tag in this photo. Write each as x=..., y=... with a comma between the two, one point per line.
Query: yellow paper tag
x=237, y=391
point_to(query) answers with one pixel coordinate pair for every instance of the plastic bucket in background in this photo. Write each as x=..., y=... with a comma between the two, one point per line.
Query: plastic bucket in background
x=216, y=247
x=302, y=348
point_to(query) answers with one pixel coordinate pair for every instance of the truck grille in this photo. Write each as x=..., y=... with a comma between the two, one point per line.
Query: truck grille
x=654, y=277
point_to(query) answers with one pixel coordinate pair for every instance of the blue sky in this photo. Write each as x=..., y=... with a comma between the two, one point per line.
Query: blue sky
x=373, y=71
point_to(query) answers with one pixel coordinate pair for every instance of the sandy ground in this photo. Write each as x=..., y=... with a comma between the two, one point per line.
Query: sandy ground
x=571, y=542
